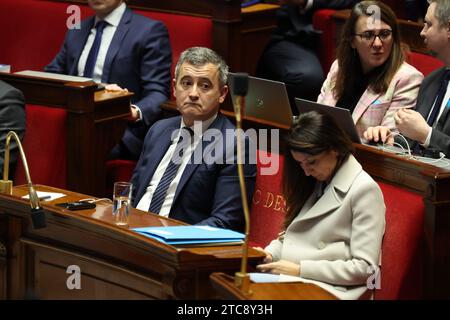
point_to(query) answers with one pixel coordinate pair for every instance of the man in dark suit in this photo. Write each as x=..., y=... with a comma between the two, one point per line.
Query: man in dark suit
x=291, y=56
x=198, y=182
x=12, y=117
x=429, y=125
x=120, y=47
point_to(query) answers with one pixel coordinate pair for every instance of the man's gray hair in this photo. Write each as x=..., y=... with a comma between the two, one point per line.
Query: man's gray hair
x=199, y=56
x=442, y=11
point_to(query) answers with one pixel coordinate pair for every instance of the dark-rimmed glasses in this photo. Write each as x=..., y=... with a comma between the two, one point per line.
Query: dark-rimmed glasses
x=370, y=35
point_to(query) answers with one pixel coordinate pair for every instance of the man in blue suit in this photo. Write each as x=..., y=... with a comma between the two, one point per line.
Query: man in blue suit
x=198, y=182
x=120, y=47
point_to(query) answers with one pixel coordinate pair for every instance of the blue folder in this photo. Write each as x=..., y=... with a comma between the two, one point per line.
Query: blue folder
x=181, y=235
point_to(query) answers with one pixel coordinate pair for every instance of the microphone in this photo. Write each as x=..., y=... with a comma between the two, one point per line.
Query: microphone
x=240, y=88
x=37, y=213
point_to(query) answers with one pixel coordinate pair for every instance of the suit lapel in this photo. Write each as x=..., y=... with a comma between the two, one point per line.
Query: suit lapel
x=328, y=202
x=429, y=94
x=192, y=166
x=116, y=42
x=156, y=155
x=79, y=43
x=366, y=100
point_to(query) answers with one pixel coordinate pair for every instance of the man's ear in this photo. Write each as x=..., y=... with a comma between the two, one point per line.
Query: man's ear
x=223, y=93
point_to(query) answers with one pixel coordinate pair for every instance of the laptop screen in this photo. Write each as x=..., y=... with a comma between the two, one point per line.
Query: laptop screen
x=266, y=100
x=342, y=116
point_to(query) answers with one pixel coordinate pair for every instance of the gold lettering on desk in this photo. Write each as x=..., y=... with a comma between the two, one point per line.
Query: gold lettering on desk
x=269, y=200
x=257, y=196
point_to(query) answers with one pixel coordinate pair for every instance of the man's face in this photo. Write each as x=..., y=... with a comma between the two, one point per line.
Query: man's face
x=436, y=37
x=198, y=92
x=103, y=7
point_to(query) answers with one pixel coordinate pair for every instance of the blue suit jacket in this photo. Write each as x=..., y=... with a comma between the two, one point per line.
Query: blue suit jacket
x=139, y=59
x=207, y=194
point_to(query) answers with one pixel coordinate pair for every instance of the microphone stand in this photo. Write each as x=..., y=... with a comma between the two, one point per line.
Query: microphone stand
x=240, y=87
x=37, y=213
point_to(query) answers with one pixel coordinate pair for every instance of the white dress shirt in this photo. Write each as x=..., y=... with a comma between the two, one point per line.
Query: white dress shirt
x=145, y=201
x=113, y=20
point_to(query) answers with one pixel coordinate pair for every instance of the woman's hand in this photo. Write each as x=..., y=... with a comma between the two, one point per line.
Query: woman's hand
x=268, y=257
x=280, y=267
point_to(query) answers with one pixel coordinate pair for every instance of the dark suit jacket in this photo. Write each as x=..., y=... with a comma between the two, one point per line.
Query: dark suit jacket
x=12, y=117
x=207, y=194
x=440, y=137
x=297, y=26
x=139, y=59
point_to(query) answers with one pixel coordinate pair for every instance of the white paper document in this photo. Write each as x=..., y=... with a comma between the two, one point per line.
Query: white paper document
x=46, y=196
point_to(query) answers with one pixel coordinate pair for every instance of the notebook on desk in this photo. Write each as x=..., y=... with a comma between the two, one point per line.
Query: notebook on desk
x=266, y=100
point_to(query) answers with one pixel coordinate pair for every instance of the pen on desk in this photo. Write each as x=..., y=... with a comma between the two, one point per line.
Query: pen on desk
x=44, y=197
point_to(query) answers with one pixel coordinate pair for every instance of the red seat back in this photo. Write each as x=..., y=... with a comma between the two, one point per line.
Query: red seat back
x=402, y=250
x=45, y=147
x=118, y=170
x=34, y=31
x=268, y=205
x=424, y=63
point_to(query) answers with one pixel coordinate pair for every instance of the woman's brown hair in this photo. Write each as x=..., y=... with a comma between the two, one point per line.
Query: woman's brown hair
x=313, y=133
x=348, y=58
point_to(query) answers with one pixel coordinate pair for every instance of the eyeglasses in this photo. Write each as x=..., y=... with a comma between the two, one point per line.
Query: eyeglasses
x=369, y=36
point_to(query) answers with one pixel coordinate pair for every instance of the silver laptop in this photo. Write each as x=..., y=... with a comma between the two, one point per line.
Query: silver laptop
x=342, y=116
x=266, y=100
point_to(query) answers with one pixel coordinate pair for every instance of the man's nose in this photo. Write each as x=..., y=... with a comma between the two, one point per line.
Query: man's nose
x=193, y=93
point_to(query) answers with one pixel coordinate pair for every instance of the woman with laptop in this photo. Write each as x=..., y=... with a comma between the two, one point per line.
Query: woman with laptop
x=335, y=216
x=370, y=77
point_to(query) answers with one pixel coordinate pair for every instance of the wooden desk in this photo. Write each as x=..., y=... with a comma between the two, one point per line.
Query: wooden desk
x=95, y=123
x=224, y=285
x=115, y=262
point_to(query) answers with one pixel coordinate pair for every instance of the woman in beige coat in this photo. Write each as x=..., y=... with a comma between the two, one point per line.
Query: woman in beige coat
x=335, y=216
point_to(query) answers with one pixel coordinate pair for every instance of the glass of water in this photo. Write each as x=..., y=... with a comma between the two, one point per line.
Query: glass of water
x=122, y=202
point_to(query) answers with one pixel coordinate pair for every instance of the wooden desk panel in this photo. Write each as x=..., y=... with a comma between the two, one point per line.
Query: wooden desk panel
x=224, y=285
x=115, y=262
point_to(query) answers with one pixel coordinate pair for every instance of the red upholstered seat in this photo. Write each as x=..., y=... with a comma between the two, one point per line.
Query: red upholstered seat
x=424, y=63
x=45, y=147
x=118, y=170
x=32, y=32
x=268, y=205
x=184, y=31
x=402, y=251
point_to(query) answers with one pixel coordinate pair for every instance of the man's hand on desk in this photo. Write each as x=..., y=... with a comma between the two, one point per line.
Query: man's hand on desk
x=135, y=113
x=115, y=88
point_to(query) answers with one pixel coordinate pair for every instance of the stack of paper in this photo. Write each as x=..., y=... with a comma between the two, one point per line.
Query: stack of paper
x=191, y=235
